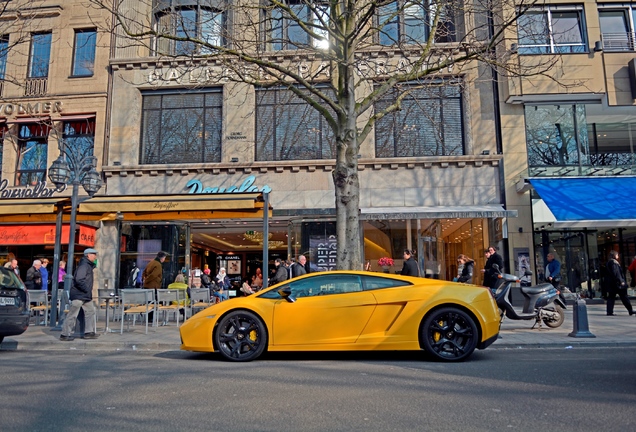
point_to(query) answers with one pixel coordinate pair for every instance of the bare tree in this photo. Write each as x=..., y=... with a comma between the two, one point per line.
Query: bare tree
x=348, y=79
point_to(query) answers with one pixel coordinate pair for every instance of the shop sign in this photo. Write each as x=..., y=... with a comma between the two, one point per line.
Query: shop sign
x=39, y=190
x=324, y=252
x=43, y=234
x=196, y=187
x=46, y=107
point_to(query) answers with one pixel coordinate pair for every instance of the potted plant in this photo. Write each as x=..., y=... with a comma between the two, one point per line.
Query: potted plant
x=385, y=263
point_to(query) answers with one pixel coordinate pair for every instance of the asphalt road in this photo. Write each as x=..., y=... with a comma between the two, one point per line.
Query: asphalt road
x=580, y=389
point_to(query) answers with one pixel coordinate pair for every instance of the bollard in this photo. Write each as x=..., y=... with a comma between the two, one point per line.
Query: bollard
x=581, y=328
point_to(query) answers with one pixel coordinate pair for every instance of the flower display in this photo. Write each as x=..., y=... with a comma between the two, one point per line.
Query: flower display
x=385, y=261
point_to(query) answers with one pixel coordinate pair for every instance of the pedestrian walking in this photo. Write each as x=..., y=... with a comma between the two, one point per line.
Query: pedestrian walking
x=468, y=266
x=81, y=297
x=281, y=272
x=615, y=283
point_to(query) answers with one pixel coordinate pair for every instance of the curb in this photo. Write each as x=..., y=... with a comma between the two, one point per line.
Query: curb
x=80, y=345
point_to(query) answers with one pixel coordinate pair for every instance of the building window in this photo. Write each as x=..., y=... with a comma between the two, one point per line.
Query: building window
x=40, y=55
x=430, y=122
x=552, y=29
x=182, y=128
x=32, y=153
x=4, y=50
x=287, y=128
x=285, y=32
x=194, y=19
x=3, y=132
x=617, y=26
x=84, y=53
x=79, y=138
x=403, y=22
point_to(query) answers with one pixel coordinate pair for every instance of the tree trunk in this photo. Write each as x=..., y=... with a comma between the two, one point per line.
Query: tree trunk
x=347, y=188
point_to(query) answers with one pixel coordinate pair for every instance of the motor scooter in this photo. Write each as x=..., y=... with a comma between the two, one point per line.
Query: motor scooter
x=541, y=302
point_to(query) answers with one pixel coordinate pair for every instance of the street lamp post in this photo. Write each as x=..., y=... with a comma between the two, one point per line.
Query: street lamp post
x=81, y=170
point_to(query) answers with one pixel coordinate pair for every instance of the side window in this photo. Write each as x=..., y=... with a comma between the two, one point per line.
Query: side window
x=321, y=285
x=325, y=285
x=373, y=283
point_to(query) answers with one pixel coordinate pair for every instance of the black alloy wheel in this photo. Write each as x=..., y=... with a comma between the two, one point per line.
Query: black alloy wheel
x=240, y=336
x=449, y=334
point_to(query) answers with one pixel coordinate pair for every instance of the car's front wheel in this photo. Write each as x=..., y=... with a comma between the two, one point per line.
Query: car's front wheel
x=240, y=336
x=449, y=334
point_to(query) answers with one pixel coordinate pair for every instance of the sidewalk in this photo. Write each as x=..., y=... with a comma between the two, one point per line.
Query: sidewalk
x=610, y=331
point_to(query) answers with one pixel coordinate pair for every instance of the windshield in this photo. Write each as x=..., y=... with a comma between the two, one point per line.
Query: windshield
x=8, y=279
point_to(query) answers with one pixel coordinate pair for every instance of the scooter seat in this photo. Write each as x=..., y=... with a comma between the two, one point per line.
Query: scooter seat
x=544, y=287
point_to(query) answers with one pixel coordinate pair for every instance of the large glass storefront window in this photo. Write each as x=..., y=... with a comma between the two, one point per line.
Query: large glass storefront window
x=139, y=244
x=556, y=136
x=583, y=255
x=579, y=140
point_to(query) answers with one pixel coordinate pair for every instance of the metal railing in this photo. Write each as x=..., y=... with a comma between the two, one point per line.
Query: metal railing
x=618, y=41
x=35, y=86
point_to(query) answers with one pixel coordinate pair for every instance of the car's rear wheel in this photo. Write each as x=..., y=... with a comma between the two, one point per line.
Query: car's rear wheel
x=449, y=334
x=240, y=336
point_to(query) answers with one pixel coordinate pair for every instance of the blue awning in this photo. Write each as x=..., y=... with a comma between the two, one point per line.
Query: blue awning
x=594, y=199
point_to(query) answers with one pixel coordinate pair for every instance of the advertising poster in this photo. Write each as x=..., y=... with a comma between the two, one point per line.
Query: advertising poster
x=522, y=263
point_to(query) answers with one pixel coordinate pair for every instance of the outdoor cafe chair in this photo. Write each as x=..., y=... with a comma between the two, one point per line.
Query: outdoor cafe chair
x=136, y=301
x=199, y=299
x=41, y=300
x=168, y=302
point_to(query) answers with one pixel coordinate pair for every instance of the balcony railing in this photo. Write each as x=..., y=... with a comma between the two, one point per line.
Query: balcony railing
x=35, y=86
x=618, y=41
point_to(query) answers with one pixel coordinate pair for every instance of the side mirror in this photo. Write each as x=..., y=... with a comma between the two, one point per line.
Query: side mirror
x=285, y=292
x=528, y=273
x=495, y=267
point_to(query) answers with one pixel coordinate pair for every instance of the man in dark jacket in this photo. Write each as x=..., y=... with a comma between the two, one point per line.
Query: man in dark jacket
x=410, y=267
x=33, y=276
x=616, y=285
x=81, y=297
x=281, y=273
x=299, y=267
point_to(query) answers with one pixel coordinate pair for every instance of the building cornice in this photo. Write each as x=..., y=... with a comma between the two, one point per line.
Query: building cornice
x=27, y=13
x=276, y=56
x=327, y=165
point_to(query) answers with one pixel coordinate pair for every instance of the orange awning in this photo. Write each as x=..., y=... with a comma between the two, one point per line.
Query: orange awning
x=44, y=234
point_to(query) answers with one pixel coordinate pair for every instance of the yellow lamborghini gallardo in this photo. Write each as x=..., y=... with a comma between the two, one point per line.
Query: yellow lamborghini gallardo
x=349, y=311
